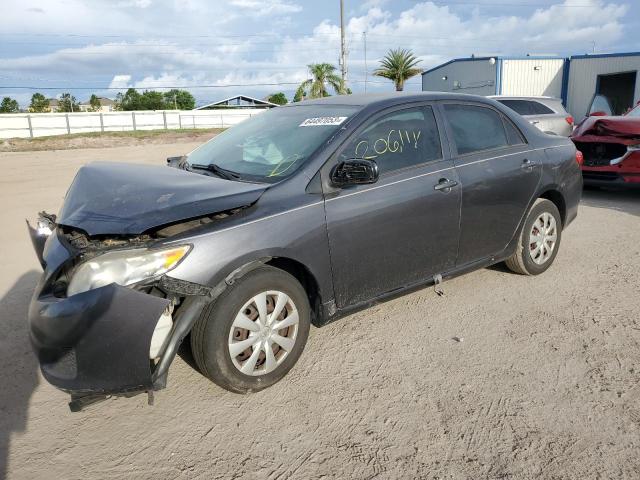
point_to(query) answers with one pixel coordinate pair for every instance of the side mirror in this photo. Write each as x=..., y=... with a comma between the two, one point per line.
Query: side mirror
x=355, y=171
x=177, y=162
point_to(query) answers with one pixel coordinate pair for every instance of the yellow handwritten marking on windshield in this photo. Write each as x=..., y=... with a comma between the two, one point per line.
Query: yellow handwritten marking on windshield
x=393, y=143
x=287, y=159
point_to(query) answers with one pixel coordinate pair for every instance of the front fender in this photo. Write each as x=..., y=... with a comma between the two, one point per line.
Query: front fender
x=298, y=234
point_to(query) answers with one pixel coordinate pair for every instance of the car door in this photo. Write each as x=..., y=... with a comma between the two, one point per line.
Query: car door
x=404, y=228
x=499, y=174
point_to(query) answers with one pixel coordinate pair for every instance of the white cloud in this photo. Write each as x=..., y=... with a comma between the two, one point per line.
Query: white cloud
x=261, y=8
x=438, y=33
x=369, y=4
x=120, y=81
x=134, y=3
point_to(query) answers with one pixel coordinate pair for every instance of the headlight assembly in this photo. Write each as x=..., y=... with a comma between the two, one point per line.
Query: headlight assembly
x=124, y=267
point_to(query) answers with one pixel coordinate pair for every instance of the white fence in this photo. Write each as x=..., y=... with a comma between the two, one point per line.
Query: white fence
x=29, y=125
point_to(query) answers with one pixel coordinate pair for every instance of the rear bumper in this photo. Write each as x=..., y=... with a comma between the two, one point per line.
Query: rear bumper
x=611, y=176
x=97, y=341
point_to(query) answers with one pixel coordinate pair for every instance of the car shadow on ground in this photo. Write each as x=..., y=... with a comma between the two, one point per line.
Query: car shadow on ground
x=622, y=200
x=500, y=267
x=18, y=364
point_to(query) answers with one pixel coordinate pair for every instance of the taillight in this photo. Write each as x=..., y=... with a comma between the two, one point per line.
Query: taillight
x=569, y=120
x=579, y=157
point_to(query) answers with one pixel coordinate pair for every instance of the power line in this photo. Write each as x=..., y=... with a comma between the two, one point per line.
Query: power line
x=12, y=87
x=310, y=39
x=509, y=4
x=216, y=36
x=169, y=87
x=172, y=52
x=277, y=45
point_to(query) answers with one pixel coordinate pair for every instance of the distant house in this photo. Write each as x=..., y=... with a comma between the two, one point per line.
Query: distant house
x=237, y=102
x=53, y=104
x=106, y=105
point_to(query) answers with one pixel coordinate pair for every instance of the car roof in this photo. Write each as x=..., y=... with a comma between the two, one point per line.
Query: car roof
x=386, y=99
x=523, y=97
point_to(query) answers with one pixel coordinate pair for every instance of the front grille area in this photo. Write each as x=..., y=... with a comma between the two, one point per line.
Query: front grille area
x=600, y=154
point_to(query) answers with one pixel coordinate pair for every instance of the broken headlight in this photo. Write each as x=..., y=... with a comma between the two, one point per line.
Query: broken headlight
x=124, y=267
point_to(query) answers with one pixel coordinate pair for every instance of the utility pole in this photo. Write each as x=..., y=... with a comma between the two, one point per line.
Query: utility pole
x=364, y=38
x=343, y=49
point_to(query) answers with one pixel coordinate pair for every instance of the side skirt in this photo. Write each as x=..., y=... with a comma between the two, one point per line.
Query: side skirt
x=330, y=313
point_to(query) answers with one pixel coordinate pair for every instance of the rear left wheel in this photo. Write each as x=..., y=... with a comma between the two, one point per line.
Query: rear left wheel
x=539, y=239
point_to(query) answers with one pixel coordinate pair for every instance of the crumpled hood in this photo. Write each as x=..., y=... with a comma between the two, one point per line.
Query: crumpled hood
x=621, y=129
x=108, y=198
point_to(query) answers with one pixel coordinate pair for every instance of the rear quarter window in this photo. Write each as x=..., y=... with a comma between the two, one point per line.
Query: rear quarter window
x=527, y=107
x=541, y=109
x=514, y=136
x=475, y=128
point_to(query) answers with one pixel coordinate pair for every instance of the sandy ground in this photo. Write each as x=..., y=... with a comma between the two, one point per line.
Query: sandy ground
x=106, y=140
x=545, y=383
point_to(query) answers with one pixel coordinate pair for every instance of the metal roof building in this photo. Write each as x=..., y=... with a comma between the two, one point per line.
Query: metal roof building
x=575, y=79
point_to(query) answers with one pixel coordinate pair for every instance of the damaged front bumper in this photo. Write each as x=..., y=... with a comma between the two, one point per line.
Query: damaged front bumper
x=97, y=343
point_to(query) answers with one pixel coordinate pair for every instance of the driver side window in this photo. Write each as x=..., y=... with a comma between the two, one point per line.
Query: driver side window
x=398, y=140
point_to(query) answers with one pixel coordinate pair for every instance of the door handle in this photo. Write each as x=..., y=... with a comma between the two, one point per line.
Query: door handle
x=527, y=165
x=445, y=185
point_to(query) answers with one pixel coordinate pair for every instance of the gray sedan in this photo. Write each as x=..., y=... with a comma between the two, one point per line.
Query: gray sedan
x=546, y=113
x=298, y=216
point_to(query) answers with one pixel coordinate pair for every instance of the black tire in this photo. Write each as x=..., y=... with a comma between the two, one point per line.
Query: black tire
x=521, y=261
x=210, y=334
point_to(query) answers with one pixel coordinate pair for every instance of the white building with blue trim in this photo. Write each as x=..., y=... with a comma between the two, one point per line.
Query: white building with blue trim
x=574, y=79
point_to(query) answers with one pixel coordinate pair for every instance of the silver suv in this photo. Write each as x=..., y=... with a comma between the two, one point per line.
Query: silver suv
x=546, y=113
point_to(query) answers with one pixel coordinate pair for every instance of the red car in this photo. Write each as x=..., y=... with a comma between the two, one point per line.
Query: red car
x=610, y=146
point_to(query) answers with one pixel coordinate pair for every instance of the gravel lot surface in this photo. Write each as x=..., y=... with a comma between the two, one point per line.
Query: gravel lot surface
x=107, y=140
x=544, y=381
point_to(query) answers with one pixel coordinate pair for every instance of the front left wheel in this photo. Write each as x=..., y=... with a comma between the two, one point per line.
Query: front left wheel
x=254, y=332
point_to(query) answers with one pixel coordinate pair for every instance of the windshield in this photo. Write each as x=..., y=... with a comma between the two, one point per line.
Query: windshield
x=600, y=106
x=273, y=144
x=634, y=112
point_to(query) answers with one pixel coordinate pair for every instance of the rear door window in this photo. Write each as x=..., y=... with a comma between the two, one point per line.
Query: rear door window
x=475, y=128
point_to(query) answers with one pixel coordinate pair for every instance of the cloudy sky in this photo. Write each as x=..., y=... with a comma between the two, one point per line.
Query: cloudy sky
x=219, y=49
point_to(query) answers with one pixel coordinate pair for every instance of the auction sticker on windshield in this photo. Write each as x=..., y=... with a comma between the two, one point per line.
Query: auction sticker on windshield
x=322, y=121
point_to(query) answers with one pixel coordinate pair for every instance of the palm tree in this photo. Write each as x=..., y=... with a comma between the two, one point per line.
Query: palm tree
x=322, y=74
x=398, y=65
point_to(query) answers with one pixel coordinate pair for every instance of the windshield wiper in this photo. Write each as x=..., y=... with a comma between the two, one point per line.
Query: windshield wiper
x=216, y=170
